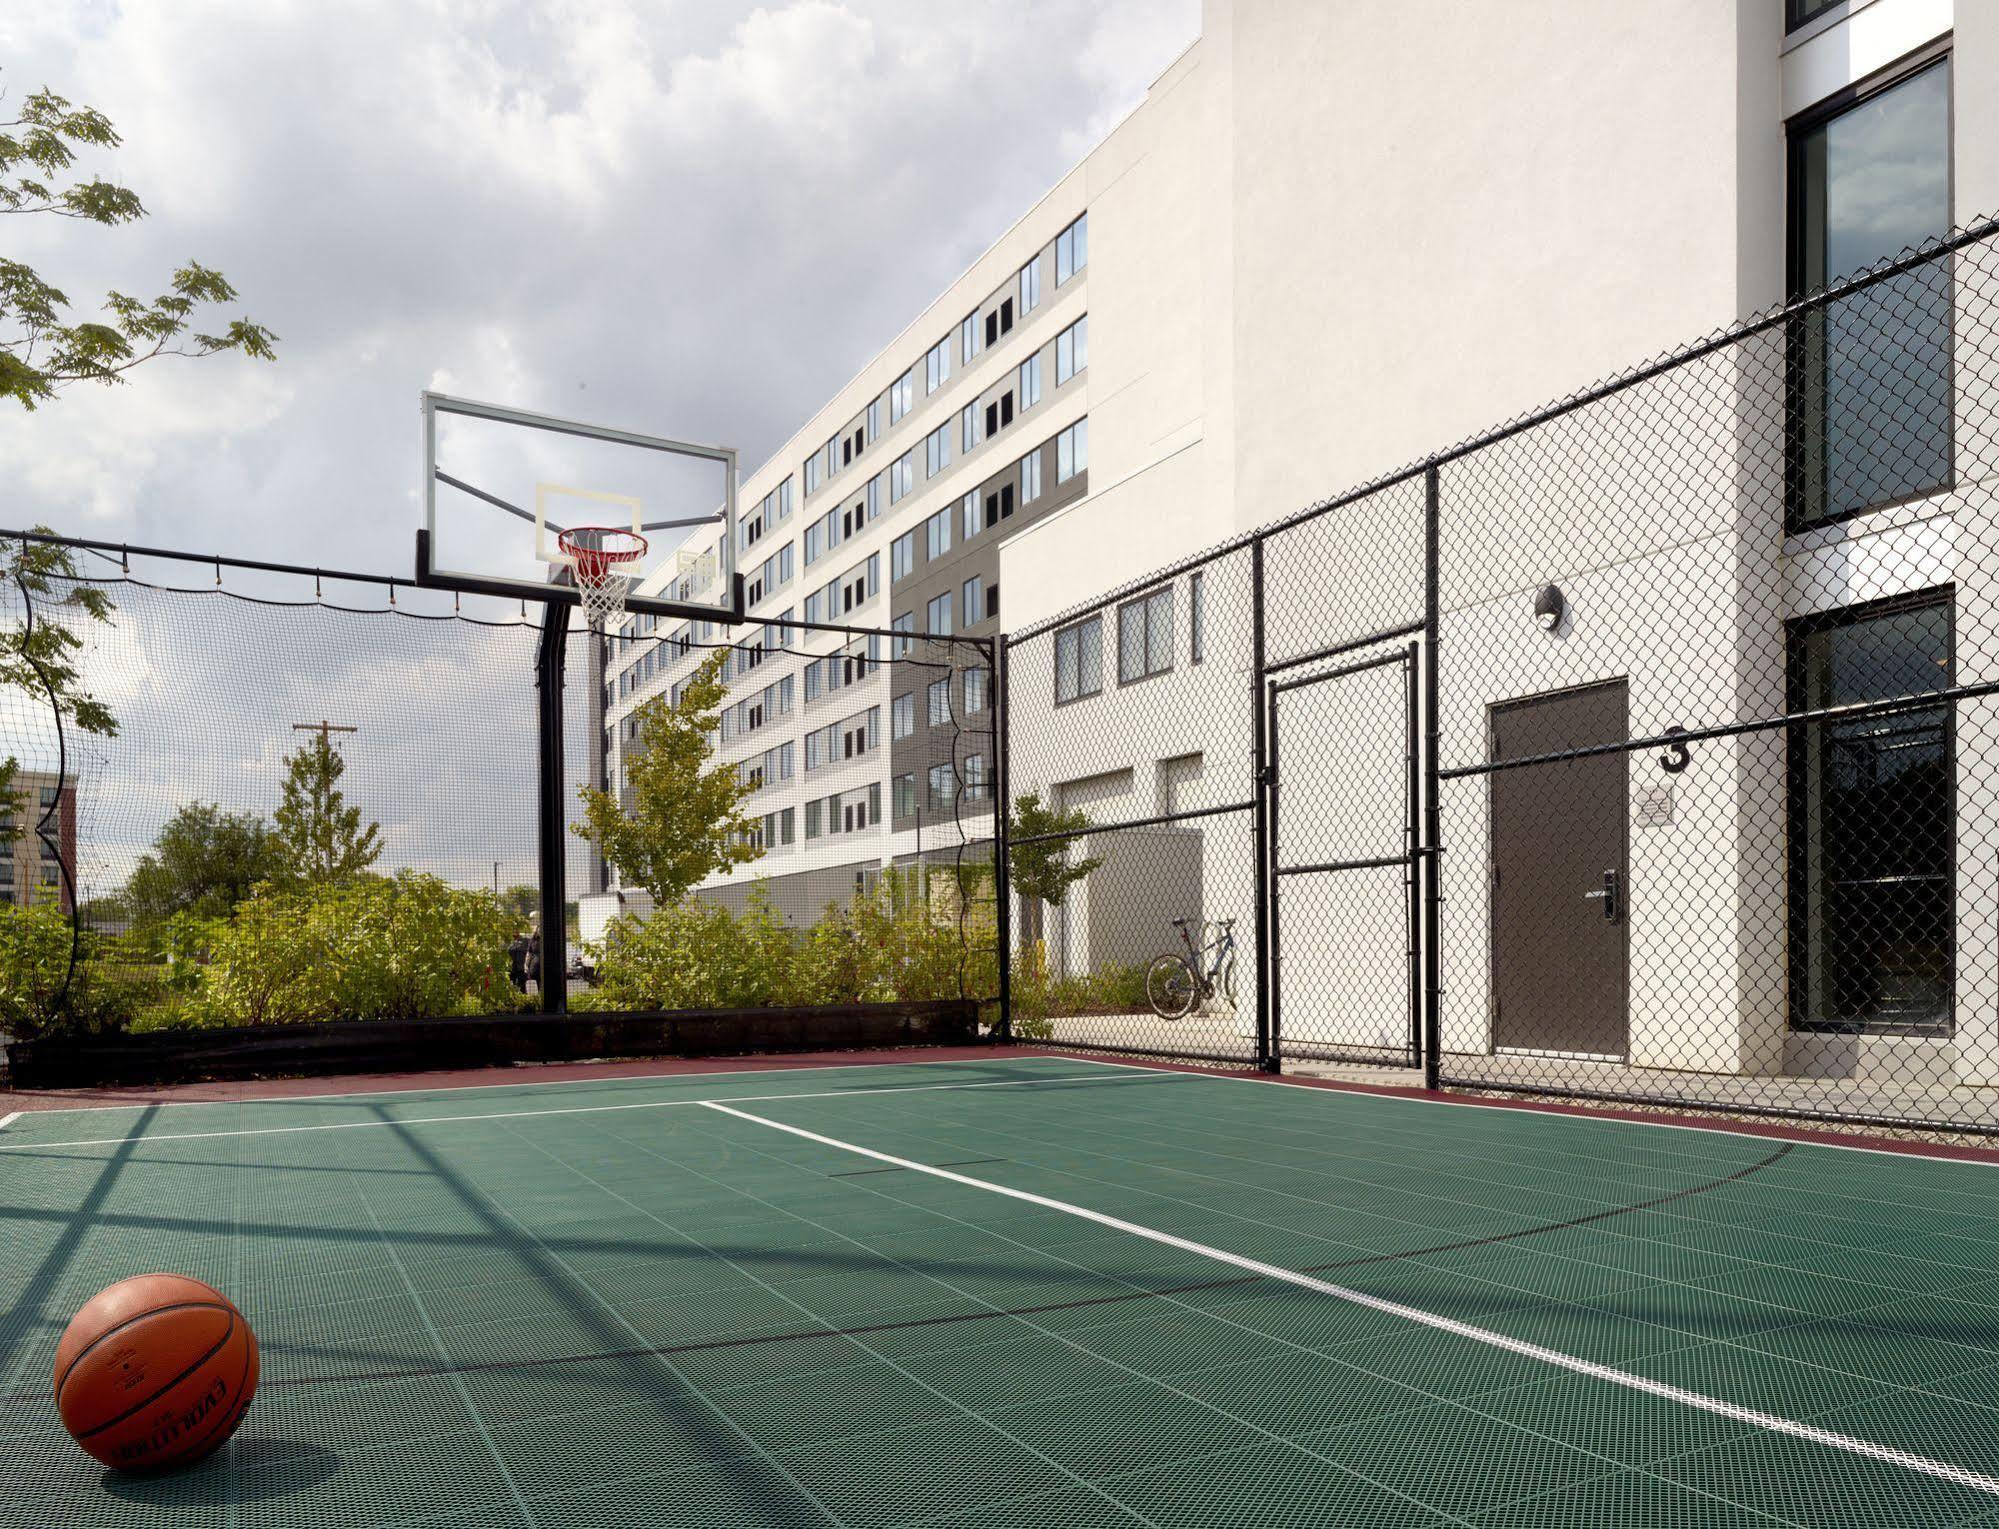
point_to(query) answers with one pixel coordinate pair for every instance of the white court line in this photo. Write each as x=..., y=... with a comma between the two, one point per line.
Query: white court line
x=1581, y=1112
x=597, y=1078
x=7, y=1120
x=578, y=1109
x=1887, y=1454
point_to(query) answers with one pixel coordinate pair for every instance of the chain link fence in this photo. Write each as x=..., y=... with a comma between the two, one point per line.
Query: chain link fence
x=1639, y=749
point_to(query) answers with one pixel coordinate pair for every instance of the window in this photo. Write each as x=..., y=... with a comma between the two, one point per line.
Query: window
x=1798, y=12
x=905, y=796
x=784, y=499
x=1072, y=249
x=999, y=504
x=992, y=602
x=974, y=597
x=1072, y=350
x=875, y=495
x=968, y=427
x=814, y=818
x=901, y=397
x=902, y=716
x=1873, y=386
x=902, y=556
x=978, y=690
x=814, y=466
x=901, y=476
x=936, y=451
x=1197, y=617
x=970, y=516
x=968, y=339
x=1145, y=636
x=937, y=616
x=833, y=462
x=1079, y=660
x=937, y=366
x=1030, y=382
x=1873, y=824
x=1072, y=451
x=1030, y=286
x=937, y=535
x=1030, y=477
x=904, y=626
x=939, y=697
x=975, y=777
x=943, y=788
x=874, y=420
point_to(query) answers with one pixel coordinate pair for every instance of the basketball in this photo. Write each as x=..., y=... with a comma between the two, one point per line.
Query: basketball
x=155, y=1371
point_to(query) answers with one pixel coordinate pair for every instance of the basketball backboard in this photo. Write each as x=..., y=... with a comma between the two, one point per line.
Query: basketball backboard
x=502, y=485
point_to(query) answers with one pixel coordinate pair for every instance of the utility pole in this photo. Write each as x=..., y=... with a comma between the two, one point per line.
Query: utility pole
x=326, y=730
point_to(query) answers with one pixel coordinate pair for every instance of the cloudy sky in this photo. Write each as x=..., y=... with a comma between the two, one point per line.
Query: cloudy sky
x=691, y=216
x=687, y=215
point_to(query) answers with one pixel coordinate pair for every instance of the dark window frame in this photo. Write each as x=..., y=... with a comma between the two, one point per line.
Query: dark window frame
x=1798, y=1020
x=1055, y=652
x=1796, y=130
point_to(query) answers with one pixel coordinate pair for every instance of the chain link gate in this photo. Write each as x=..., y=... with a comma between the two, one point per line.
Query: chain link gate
x=1344, y=858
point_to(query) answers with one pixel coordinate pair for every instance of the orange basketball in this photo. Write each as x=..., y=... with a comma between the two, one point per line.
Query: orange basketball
x=156, y=1370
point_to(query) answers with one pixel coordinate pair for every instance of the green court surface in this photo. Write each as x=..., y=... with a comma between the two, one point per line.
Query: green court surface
x=1020, y=1291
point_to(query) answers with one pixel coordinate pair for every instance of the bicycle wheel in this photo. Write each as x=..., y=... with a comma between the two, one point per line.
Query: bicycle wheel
x=1170, y=987
x=1226, y=984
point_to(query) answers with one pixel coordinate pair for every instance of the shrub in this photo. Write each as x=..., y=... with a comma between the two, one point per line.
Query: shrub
x=403, y=947
x=698, y=955
x=38, y=994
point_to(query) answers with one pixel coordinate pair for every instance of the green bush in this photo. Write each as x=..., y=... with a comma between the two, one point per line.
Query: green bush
x=402, y=947
x=38, y=994
x=698, y=955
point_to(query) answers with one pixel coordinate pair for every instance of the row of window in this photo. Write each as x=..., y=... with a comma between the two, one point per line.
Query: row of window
x=946, y=784
x=1072, y=247
x=849, y=592
x=772, y=767
x=1145, y=642
x=844, y=812
x=849, y=739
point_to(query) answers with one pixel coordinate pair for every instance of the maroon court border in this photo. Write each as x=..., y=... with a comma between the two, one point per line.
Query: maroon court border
x=677, y=1067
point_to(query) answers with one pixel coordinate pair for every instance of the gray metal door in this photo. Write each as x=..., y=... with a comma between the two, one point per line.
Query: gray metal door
x=1341, y=899
x=1560, y=875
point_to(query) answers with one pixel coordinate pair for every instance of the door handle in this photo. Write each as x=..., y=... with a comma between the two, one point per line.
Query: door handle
x=1612, y=904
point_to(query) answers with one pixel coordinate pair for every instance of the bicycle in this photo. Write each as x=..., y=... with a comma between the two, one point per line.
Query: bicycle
x=1174, y=983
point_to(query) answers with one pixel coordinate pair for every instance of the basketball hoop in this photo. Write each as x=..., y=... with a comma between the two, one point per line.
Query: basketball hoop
x=600, y=554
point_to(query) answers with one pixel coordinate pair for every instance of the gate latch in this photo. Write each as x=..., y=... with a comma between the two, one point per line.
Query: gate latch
x=1608, y=896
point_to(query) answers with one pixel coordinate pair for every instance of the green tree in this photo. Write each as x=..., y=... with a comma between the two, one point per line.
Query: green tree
x=1042, y=871
x=321, y=837
x=39, y=351
x=519, y=903
x=686, y=821
x=205, y=861
x=39, y=654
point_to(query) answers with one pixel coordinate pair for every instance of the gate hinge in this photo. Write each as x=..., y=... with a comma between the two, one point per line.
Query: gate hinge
x=1267, y=776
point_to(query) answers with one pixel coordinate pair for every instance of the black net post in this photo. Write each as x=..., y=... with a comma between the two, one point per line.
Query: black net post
x=1002, y=864
x=550, y=830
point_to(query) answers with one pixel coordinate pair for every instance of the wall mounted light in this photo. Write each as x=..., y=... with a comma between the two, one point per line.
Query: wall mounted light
x=1550, y=607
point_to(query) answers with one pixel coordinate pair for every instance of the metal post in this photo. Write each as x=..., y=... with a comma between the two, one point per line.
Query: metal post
x=1431, y=848
x=551, y=845
x=1258, y=821
x=1412, y=876
x=1275, y=1062
x=1002, y=868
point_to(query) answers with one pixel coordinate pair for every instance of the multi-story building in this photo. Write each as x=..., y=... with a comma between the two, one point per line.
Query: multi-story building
x=29, y=868
x=1334, y=239
x=885, y=511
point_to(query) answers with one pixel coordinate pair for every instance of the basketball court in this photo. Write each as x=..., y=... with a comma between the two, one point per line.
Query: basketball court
x=1017, y=1289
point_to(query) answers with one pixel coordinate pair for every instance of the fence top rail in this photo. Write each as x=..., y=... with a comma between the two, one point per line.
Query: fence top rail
x=1931, y=252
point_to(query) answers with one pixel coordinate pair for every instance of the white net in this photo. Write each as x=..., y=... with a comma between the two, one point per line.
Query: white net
x=603, y=594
